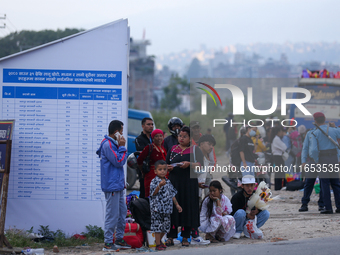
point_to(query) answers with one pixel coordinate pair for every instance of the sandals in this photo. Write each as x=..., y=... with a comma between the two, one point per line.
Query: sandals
x=211, y=238
x=159, y=248
x=169, y=242
x=220, y=239
x=185, y=242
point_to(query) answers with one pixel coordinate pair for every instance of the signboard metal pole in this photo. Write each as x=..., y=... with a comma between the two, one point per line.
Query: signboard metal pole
x=4, y=188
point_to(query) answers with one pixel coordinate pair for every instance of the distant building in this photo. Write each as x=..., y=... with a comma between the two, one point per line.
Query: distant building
x=141, y=76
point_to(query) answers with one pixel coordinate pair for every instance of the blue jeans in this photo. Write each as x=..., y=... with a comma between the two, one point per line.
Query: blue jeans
x=114, y=215
x=307, y=191
x=240, y=219
x=249, y=170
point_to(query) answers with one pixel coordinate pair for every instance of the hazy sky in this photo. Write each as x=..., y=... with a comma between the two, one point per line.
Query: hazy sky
x=173, y=25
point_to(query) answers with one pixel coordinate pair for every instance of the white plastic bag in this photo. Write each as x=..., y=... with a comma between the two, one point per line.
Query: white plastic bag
x=251, y=230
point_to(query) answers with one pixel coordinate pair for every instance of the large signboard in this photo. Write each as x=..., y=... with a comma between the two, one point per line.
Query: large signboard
x=63, y=96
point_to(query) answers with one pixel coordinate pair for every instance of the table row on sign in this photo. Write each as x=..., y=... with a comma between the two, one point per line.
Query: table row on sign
x=37, y=175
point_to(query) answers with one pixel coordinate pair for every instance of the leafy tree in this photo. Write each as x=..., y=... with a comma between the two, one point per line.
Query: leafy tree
x=177, y=86
x=23, y=40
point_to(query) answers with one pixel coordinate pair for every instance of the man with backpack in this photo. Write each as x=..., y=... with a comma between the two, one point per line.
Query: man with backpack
x=310, y=179
x=235, y=160
x=143, y=140
x=247, y=149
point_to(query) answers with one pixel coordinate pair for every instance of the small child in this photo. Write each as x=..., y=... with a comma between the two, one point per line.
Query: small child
x=162, y=195
x=215, y=219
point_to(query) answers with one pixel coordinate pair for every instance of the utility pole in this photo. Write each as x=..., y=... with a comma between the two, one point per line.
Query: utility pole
x=4, y=17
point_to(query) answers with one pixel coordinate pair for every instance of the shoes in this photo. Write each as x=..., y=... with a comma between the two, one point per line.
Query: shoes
x=326, y=212
x=163, y=245
x=109, y=247
x=237, y=235
x=304, y=208
x=200, y=241
x=185, y=242
x=160, y=248
x=169, y=242
x=121, y=244
x=337, y=210
x=211, y=239
x=321, y=208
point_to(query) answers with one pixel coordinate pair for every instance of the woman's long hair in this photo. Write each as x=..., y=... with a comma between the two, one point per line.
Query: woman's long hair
x=210, y=205
x=274, y=132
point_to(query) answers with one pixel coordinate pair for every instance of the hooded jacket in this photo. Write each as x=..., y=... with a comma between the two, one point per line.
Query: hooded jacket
x=112, y=159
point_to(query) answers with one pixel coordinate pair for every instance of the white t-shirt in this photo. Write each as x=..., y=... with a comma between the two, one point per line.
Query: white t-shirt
x=278, y=147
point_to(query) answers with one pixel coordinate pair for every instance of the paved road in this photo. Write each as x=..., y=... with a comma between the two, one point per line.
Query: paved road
x=318, y=246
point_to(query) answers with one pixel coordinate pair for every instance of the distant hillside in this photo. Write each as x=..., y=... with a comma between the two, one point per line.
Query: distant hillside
x=296, y=53
x=23, y=40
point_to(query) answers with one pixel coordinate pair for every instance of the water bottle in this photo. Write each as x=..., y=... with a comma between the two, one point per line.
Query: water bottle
x=39, y=251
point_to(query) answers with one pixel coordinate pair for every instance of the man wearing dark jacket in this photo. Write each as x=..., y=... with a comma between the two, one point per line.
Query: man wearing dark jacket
x=141, y=142
x=174, y=125
x=239, y=202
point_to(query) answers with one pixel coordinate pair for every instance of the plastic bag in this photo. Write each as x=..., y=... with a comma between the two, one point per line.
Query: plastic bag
x=251, y=230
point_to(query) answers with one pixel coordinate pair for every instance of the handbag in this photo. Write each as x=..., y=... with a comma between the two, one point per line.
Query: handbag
x=146, y=162
x=285, y=156
x=251, y=230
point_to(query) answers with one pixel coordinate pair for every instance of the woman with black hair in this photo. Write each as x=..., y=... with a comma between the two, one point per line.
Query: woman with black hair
x=186, y=184
x=215, y=219
x=278, y=148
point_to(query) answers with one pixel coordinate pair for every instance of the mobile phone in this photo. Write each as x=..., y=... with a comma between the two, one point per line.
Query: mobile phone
x=118, y=135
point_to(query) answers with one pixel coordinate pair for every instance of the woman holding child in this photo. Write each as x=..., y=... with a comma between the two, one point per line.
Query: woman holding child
x=180, y=168
x=157, y=153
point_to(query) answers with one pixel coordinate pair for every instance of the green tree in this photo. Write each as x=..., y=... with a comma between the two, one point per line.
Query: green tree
x=23, y=40
x=177, y=86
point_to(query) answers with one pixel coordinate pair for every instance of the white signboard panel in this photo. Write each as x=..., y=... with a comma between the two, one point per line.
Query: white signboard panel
x=63, y=96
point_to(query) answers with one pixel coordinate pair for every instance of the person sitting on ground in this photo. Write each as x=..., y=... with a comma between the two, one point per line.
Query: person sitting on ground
x=214, y=218
x=162, y=197
x=239, y=202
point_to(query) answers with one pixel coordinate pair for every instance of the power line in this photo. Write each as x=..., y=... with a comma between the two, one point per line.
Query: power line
x=4, y=17
x=12, y=24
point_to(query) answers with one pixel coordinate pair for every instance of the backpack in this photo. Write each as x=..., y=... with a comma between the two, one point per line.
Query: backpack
x=140, y=209
x=296, y=141
x=133, y=235
x=146, y=162
x=235, y=153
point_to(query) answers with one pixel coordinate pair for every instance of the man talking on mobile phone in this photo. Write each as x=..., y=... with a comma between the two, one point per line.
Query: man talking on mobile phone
x=113, y=155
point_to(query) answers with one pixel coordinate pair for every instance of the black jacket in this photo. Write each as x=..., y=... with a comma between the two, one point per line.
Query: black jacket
x=142, y=141
x=170, y=141
x=239, y=201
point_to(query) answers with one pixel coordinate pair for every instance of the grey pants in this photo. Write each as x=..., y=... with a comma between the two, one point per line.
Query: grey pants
x=114, y=215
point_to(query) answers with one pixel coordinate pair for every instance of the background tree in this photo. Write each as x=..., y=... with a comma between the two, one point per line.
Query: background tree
x=23, y=40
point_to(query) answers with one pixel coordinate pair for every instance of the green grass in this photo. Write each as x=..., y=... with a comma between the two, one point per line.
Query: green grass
x=18, y=238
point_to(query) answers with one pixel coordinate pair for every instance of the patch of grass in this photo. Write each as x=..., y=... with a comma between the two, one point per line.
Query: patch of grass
x=94, y=231
x=18, y=237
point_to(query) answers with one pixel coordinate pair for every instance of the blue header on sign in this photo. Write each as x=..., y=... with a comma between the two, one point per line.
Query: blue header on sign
x=62, y=76
x=61, y=93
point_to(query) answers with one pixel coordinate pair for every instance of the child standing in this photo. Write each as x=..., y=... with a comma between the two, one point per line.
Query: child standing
x=162, y=195
x=215, y=219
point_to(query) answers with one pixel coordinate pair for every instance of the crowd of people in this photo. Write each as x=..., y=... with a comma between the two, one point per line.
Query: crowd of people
x=183, y=198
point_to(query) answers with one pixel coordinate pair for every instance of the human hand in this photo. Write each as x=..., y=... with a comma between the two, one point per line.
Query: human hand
x=179, y=208
x=162, y=183
x=303, y=166
x=185, y=164
x=213, y=198
x=170, y=168
x=201, y=185
x=252, y=213
x=121, y=141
